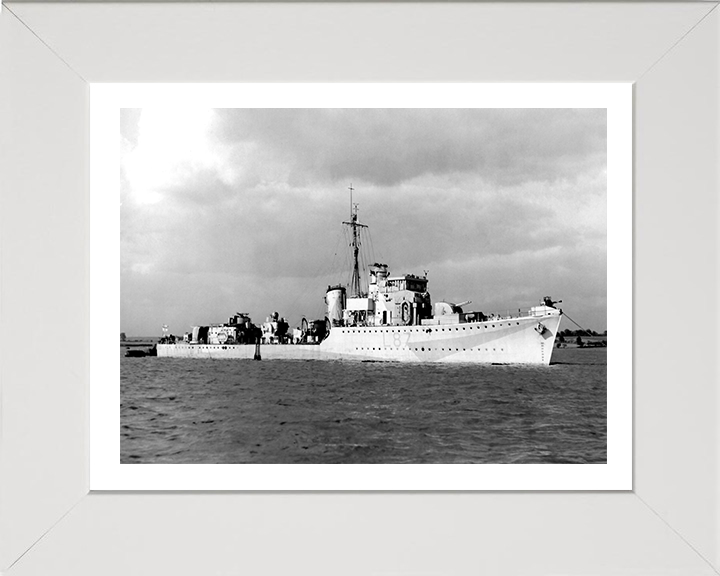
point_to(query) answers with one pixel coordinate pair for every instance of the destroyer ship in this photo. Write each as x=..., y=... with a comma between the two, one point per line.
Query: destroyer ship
x=393, y=320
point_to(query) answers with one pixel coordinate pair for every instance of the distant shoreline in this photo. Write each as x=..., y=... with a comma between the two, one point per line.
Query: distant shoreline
x=134, y=341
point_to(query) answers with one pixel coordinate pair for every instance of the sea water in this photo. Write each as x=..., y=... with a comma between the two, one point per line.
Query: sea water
x=176, y=410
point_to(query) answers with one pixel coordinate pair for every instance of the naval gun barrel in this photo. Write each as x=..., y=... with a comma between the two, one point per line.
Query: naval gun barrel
x=464, y=303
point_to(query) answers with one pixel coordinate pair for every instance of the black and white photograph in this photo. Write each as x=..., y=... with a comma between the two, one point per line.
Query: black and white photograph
x=363, y=285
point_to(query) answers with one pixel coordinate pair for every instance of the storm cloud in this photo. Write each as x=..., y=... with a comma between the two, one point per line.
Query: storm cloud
x=240, y=210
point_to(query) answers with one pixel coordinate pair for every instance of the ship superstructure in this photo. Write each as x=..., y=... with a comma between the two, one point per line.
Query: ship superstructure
x=390, y=300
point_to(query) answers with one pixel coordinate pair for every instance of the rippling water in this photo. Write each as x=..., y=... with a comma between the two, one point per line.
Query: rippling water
x=239, y=411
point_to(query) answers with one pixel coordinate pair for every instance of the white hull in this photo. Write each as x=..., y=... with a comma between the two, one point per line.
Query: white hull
x=506, y=341
x=243, y=351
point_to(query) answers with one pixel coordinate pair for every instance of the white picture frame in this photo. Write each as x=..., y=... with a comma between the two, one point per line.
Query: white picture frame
x=106, y=470
x=668, y=523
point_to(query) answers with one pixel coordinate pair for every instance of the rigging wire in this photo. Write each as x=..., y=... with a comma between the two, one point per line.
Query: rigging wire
x=372, y=246
x=331, y=267
x=367, y=252
x=578, y=325
x=322, y=271
x=348, y=263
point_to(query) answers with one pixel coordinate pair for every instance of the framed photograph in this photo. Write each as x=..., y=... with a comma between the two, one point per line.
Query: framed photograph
x=210, y=198
x=74, y=500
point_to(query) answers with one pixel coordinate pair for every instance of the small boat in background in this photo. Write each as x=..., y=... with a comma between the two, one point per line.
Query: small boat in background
x=130, y=353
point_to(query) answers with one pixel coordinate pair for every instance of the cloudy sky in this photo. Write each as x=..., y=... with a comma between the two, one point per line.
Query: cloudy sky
x=239, y=210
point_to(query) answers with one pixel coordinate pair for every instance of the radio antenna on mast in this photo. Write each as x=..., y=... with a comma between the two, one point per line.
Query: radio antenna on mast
x=355, y=245
x=351, y=204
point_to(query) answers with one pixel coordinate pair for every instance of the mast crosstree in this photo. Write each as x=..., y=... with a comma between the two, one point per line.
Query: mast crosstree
x=355, y=245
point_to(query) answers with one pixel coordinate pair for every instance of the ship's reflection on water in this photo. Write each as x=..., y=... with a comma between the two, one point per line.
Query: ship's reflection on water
x=237, y=411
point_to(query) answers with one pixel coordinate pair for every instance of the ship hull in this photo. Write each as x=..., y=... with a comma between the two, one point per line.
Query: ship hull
x=244, y=351
x=499, y=341
x=525, y=340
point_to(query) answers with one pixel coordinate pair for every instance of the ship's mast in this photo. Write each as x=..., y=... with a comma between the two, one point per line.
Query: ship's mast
x=354, y=224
